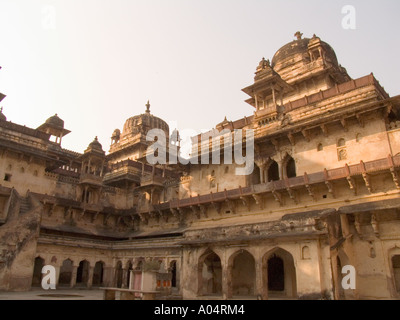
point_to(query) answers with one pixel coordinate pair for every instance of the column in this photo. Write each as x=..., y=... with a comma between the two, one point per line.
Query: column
x=226, y=281
x=90, y=277
x=73, y=276
x=108, y=276
x=273, y=95
x=124, y=277
x=345, y=225
x=58, y=268
x=259, y=278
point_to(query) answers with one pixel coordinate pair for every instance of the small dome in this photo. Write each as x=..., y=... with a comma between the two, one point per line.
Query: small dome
x=55, y=121
x=95, y=145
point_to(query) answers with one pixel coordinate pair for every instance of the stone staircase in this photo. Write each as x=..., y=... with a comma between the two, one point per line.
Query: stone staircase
x=25, y=206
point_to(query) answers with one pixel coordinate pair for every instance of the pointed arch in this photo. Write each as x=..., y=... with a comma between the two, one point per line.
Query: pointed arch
x=66, y=271
x=37, y=271
x=209, y=274
x=242, y=273
x=289, y=166
x=279, y=274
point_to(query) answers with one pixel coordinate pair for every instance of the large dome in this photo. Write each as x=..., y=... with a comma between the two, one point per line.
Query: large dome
x=143, y=123
x=298, y=50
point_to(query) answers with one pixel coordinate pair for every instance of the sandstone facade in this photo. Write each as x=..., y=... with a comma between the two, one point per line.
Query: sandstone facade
x=324, y=193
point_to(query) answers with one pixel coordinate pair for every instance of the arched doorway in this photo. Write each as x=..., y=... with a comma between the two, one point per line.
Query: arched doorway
x=279, y=274
x=98, y=272
x=118, y=275
x=210, y=274
x=37, y=272
x=82, y=274
x=276, y=274
x=66, y=273
x=242, y=274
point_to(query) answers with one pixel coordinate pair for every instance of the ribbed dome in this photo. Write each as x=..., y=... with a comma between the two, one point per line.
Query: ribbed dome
x=298, y=50
x=143, y=123
x=55, y=121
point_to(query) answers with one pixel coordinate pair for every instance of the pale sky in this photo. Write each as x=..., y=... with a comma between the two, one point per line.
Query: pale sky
x=96, y=63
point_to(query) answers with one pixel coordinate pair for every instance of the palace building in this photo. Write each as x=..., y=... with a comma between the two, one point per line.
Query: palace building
x=324, y=194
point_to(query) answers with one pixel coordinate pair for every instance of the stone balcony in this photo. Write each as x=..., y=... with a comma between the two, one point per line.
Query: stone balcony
x=87, y=178
x=152, y=180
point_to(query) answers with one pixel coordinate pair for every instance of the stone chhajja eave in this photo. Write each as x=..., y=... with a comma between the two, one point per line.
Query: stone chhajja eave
x=323, y=118
x=140, y=244
x=27, y=150
x=282, y=186
x=289, y=236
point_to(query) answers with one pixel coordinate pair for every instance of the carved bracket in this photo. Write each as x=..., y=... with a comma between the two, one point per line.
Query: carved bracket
x=259, y=201
x=196, y=211
x=203, y=210
x=375, y=224
x=217, y=206
x=246, y=202
x=143, y=218
x=277, y=196
x=366, y=177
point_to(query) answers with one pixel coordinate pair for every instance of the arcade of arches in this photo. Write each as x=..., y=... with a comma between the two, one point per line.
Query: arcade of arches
x=271, y=275
x=87, y=274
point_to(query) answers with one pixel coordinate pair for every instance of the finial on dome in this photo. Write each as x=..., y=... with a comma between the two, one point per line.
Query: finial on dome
x=148, y=106
x=298, y=34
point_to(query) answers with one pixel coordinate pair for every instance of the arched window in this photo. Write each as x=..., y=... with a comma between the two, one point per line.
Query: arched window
x=273, y=172
x=320, y=147
x=290, y=167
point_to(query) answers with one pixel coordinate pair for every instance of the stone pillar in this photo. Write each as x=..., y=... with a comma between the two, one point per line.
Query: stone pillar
x=345, y=225
x=58, y=269
x=108, y=276
x=258, y=290
x=124, y=277
x=226, y=281
x=73, y=276
x=90, y=277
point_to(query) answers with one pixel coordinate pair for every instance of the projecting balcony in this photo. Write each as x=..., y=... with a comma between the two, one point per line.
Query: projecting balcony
x=152, y=180
x=87, y=178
